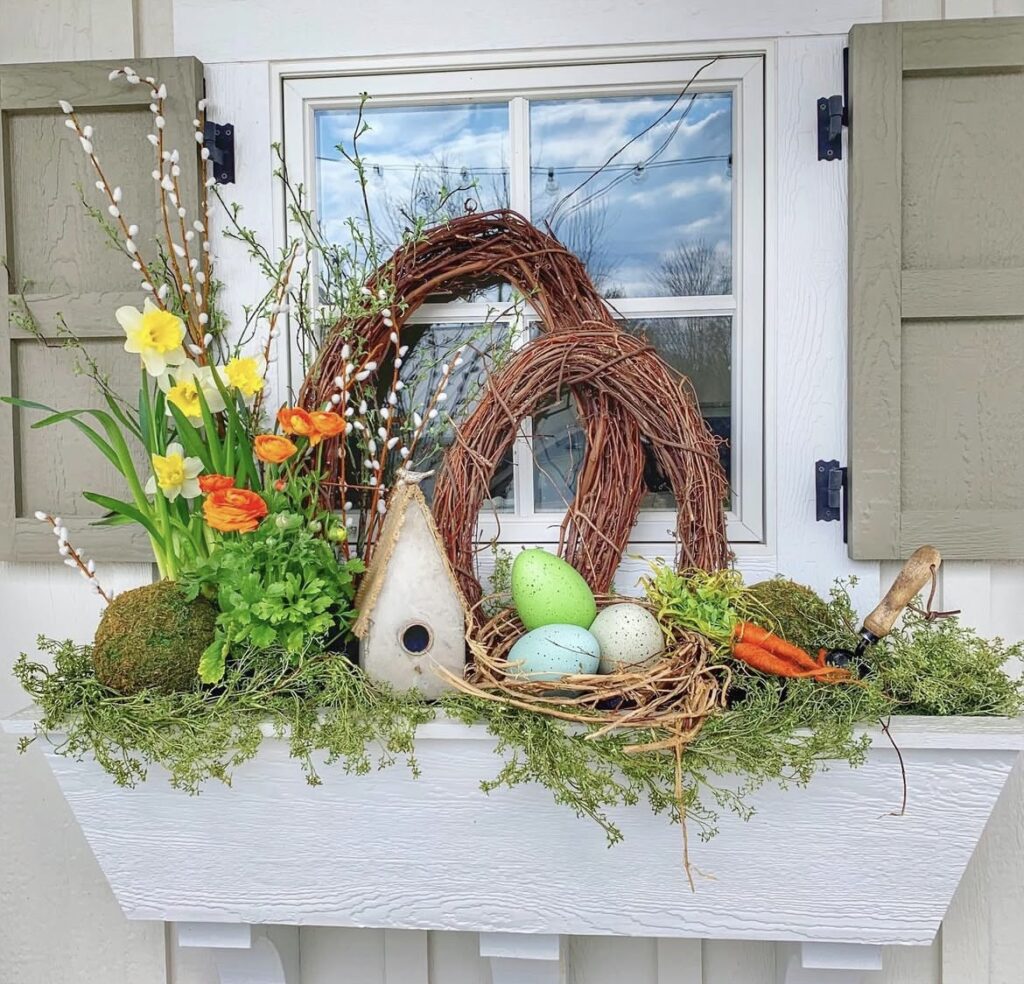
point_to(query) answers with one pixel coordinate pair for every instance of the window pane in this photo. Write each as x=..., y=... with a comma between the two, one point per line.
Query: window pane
x=657, y=220
x=428, y=162
x=430, y=346
x=700, y=348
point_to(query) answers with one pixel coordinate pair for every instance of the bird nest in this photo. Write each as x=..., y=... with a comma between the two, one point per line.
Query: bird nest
x=669, y=696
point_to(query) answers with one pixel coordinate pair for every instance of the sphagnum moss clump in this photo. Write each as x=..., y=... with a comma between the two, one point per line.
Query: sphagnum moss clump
x=152, y=638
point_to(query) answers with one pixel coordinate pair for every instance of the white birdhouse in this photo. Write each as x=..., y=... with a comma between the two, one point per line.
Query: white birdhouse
x=412, y=614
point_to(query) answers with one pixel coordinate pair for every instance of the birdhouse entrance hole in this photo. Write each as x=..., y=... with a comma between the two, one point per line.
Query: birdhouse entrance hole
x=416, y=639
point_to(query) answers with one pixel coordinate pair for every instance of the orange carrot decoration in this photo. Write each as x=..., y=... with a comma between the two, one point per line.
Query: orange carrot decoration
x=768, y=653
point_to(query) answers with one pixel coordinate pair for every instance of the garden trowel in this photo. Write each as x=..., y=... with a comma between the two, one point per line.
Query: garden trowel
x=916, y=573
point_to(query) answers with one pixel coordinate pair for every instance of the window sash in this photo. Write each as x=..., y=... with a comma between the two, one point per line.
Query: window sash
x=743, y=77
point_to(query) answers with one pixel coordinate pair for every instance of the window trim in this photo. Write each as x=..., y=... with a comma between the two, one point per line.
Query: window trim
x=307, y=88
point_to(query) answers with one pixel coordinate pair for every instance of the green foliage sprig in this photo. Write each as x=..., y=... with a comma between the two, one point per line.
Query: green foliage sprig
x=318, y=702
x=774, y=730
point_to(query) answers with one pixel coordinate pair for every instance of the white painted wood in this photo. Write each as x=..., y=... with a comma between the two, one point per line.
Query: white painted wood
x=679, y=962
x=244, y=954
x=222, y=856
x=517, y=958
x=829, y=963
x=465, y=26
x=809, y=363
x=64, y=30
x=406, y=956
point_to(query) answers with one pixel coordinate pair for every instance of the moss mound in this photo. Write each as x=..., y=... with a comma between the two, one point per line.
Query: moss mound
x=793, y=611
x=152, y=638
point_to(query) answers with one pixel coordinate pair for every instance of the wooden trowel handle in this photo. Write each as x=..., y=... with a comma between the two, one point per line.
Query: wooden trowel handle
x=916, y=573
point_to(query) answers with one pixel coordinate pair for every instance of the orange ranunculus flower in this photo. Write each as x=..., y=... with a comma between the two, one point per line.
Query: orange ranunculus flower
x=295, y=420
x=215, y=483
x=273, y=448
x=234, y=510
x=328, y=423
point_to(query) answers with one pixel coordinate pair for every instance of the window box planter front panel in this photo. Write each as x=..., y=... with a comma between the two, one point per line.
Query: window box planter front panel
x=829, y=862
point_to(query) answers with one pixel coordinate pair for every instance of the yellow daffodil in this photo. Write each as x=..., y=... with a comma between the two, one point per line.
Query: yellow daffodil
x=246, y=374
x=184, y=383
x=154, y=334
x=174, y=474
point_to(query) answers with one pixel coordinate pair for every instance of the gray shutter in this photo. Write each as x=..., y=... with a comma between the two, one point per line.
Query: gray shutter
x=59, y=260
x=936, y=304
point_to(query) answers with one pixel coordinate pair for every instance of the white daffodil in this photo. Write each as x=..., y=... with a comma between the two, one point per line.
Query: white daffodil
x=174, y=474
x=154, y=334
x=184, y=383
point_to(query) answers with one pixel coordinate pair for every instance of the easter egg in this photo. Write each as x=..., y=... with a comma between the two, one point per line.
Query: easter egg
x=548, y=591
x=552, y=651
x=627, y=634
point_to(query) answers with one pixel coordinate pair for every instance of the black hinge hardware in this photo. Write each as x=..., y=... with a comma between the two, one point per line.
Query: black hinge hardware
x=219, y=140
x=833, y=115
x=830, y=493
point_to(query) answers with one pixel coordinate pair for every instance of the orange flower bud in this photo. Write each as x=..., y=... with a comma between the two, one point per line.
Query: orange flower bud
x=234, y=510
x=328, y=423
x=215, y=483
x=273, y=448
x=280, y=485
x=295, y=420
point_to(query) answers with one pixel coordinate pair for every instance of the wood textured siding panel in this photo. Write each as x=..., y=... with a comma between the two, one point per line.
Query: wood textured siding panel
x=937, y=289
x=62, y=269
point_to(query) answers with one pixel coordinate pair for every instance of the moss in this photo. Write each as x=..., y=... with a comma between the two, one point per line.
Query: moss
x=152, y=638
x=793, y=611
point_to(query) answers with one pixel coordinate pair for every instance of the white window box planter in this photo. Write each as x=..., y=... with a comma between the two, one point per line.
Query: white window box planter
x=827, y=864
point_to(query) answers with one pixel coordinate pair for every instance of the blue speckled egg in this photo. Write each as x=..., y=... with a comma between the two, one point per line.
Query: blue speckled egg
x=553, y=651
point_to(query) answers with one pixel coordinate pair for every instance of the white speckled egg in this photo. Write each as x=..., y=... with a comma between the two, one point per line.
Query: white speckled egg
x=627, y=634
x=552, y=651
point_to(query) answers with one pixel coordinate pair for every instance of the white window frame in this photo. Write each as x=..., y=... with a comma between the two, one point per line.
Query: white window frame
x=743, y=75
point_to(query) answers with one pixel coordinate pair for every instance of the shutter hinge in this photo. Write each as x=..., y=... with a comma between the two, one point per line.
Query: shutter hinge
x=833, y=115
x=830, y=485
x=219, y=139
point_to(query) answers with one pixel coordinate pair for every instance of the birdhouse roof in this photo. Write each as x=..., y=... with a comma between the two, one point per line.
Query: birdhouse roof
x=404, y=498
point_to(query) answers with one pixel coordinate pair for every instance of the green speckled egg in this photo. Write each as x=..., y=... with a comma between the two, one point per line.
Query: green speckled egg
x=628, y=634
x=552, y=651
x=548, y=591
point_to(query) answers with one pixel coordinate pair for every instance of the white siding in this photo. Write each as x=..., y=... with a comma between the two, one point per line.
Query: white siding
x=58, y=922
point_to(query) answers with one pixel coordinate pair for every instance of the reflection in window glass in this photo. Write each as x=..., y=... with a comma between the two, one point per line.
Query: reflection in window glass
x=430, y=346
x=657, y=220
x=701, y=349
x=429, y=162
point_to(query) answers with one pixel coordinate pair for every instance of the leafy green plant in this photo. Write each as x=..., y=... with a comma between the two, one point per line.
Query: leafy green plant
x=698, y=601
x=281, y=586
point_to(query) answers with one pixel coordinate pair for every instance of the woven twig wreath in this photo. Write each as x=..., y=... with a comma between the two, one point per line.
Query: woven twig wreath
x=607, y=367
x=458, y=256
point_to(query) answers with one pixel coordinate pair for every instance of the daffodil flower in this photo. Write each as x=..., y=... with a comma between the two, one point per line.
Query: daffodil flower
x=174, y=474
x=246, y=374
x=154, y=334
x=184, y=383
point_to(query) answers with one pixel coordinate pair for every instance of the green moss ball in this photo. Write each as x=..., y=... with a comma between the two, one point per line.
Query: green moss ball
x=151, y=638
x=794, y=611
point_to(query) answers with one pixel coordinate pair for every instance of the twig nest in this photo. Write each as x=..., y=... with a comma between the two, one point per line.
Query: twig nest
x=628, y=635
x=548, y=591
x=552, y=652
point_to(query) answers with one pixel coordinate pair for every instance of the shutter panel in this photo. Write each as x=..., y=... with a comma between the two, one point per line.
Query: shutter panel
x=936, y=303
x=59, y=260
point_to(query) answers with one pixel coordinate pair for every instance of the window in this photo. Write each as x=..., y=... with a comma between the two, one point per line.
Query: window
x=652, y=172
